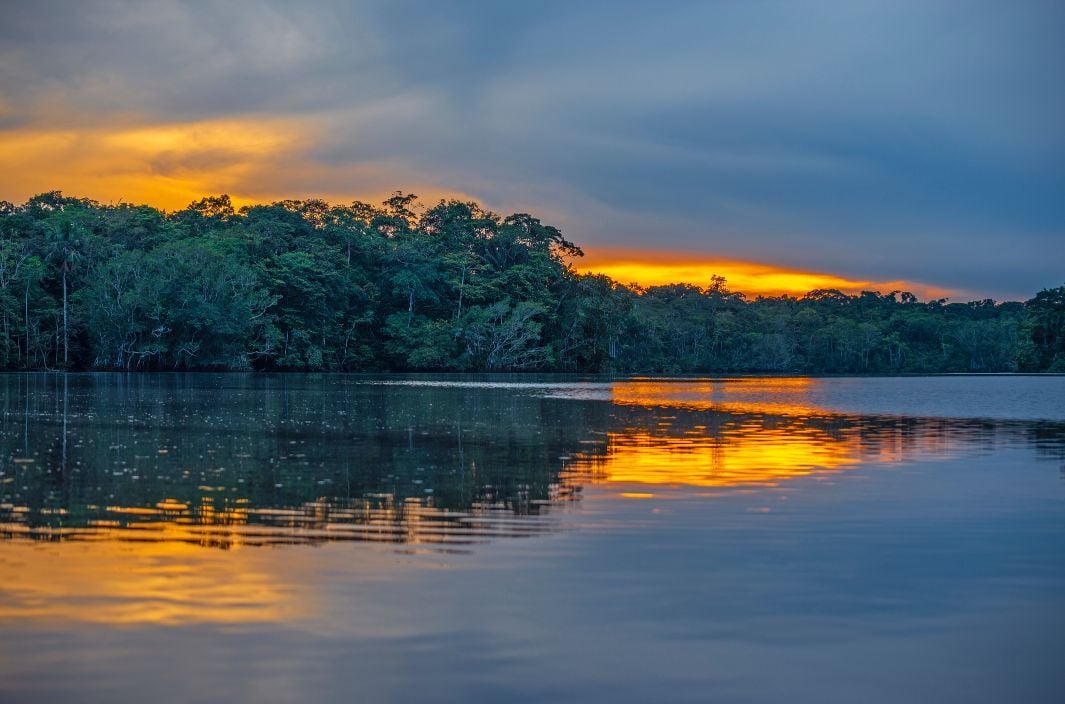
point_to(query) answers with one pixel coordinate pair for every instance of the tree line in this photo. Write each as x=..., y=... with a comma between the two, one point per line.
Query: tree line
x=309, y=285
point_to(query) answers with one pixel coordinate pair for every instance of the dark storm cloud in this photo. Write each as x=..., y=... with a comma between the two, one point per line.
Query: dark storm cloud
x=878, y=139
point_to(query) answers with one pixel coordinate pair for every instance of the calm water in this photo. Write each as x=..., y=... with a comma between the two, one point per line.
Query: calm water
x=298, y=538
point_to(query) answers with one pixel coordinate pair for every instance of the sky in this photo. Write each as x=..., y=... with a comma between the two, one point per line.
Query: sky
x=897, y=144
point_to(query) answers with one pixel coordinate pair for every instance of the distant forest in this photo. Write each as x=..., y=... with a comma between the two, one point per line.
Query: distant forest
x=308, y=285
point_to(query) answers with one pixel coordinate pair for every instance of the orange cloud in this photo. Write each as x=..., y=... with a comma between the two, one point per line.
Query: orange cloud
x=652, y=268
x=165, y=165
x=169, y=165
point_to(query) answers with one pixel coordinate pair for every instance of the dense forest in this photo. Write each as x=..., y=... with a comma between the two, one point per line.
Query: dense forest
x=308, y=285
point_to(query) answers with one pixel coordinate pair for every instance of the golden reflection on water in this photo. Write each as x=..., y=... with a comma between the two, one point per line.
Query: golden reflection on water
x=154, y=571
x=787, y=396
x=412, y=521
x=145, y=564
x=165, y=581
x=756, y=442
x=764, y=458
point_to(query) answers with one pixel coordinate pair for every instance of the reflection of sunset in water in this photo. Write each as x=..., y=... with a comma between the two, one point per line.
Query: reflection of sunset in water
x=96, y=528
x=379, y=520
x=763, y=458
x=165, y=581
x=747, y=441
x=148, y=566
x=742, y=452
x=740, y=395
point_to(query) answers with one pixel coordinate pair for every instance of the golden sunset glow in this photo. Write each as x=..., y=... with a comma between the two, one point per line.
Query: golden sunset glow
x=497, y=351
x=155, y=570
x=169, y=165
x=171, y=562
x=739, y=395
x=643, y=463
x=742, y=459
x=164, y=165
x=656, y=267
x=166, y=580
x=257, y=160
x=775, y=444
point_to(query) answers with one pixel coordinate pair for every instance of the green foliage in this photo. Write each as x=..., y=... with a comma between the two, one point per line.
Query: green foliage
x=1044, y=329
x=309, y=285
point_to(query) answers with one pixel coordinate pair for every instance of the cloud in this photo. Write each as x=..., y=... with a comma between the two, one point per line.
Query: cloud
x=168, y=165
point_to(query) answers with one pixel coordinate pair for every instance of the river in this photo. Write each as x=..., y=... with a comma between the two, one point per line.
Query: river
x=337, y=538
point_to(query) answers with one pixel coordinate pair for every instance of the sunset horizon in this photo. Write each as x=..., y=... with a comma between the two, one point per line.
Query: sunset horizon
x=626, y=265
x=722, y=136
x=494, y=352
x=642, y=268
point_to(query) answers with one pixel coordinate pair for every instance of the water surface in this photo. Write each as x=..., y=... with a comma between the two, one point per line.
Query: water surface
x=330, y=538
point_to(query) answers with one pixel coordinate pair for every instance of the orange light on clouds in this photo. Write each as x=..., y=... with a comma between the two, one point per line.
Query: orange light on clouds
x=169, y=165
x=164, y=165
x=654, y=268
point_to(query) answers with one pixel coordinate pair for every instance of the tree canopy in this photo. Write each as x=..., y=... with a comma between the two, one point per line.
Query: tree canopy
x=311, y=285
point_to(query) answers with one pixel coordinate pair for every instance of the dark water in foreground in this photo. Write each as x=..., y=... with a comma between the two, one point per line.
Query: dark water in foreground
x=308, y=538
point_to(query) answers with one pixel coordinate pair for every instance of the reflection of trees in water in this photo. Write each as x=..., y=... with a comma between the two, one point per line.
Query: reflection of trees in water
x=304, y=456
x=259, y=459
x=1049, y=441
